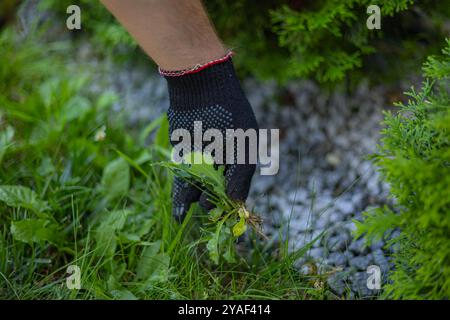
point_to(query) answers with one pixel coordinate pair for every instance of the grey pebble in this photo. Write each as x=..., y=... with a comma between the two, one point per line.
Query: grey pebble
x=337, y=259
x=361, y=262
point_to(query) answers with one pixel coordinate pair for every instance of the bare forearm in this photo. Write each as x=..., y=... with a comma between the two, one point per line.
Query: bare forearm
x=176, y=34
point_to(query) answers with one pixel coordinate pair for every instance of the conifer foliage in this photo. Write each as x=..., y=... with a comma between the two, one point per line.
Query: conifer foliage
x=414, y=157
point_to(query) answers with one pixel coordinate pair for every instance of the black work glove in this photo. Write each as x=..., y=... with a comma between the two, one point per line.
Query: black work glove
x=215, y=97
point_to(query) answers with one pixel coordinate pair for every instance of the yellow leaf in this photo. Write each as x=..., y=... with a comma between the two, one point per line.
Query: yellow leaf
x=239, y=228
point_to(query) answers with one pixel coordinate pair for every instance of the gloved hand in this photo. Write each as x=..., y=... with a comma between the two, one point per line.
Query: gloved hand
x=215, y=97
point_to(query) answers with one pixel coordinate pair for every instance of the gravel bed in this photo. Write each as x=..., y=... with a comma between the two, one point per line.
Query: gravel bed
x=325, y=179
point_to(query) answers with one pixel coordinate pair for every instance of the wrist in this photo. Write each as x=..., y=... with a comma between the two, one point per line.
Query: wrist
x=194, y=68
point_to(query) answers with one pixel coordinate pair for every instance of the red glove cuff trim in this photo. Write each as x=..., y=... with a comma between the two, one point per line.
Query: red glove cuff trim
x=195, y=69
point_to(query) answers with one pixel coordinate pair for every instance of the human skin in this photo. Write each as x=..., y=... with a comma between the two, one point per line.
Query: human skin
x=176, y=34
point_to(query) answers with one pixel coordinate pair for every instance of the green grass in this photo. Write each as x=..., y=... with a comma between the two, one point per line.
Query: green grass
x=69, y=196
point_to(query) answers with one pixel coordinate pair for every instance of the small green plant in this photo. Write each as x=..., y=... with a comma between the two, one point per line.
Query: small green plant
x=229, y=219
x=414, y=158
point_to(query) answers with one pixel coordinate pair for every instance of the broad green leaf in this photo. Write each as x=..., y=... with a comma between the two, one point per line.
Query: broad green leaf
x=153, y=267
x=47, y=91
x=150, y=127
x=126, y=237
x=46, y=167
x=106, y=99
x=145, y=227
x=35, y=230
x=150, y=251
x=229, y=254
x=143, y=157
x=6, y=138
x=115, y=288
x=213, y=249
x=201, y=166
x=215, y=214
x=105, y=233
x=106, y=242
x=116, y=178
x=218, y=238
x=115, y=219
x=76, y=108
x=118, y=270
x=20, y=196
x=132, y=163
x=162, y=138
x=123, y=294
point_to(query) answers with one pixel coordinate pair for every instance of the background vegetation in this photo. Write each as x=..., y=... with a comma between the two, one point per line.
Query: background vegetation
x=326, y=40
x=414, y=158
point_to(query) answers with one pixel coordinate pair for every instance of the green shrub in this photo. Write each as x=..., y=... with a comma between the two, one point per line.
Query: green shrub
x=414, y=158
x=329, y=38
x=326, y=40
